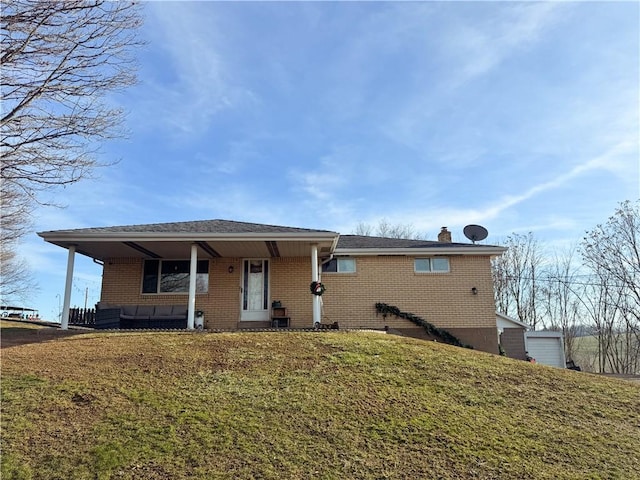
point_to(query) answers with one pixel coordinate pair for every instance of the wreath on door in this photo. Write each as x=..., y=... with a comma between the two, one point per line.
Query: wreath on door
x=317, y=288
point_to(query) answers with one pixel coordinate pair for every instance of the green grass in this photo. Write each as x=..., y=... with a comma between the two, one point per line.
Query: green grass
x=587, y=354
x=305, y=405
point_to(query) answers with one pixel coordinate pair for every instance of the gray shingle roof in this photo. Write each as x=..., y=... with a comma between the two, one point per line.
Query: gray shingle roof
x=200, y=226
x=347, y=244
x=359, y=241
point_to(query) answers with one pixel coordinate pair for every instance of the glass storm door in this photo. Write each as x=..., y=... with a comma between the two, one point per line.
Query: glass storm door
x=255, y=290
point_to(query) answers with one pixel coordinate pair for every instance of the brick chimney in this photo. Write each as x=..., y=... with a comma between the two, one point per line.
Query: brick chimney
x=444, y=236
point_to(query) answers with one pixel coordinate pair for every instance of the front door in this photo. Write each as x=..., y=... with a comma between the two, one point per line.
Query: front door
x=255, y=290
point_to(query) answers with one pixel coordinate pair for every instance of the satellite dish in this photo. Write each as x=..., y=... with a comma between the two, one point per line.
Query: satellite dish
x=475, y=233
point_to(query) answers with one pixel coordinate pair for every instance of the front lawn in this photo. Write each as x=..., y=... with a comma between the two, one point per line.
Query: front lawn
x=305, y=405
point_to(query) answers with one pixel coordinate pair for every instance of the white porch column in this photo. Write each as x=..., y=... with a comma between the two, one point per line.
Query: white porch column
x=193, y=270
x=64, y=321
x=315, y=278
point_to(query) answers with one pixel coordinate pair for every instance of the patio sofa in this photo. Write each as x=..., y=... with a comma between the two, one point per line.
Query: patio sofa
x=141, y=316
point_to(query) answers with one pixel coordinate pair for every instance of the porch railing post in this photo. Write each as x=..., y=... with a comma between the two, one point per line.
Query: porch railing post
x=315, y=278
x=193, y=270
x=64, y=321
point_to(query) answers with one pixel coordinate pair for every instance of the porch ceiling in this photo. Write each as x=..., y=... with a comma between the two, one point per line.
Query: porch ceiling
x=103, y=249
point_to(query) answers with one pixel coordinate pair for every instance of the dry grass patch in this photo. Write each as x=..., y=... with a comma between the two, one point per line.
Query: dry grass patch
x=307, y=405
x=19, y=333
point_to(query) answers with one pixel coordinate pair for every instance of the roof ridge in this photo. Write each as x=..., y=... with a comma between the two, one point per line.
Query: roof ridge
x=358, y=242
x=388, y=238
x=198, y=226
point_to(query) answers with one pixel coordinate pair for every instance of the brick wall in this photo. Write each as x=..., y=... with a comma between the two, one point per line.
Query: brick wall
x=444, y=299
x=289, y=283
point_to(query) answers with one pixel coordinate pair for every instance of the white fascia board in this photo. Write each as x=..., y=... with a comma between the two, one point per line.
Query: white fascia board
x=507, y=318
x=412, y=252
x=334, y=244
x=184, y=237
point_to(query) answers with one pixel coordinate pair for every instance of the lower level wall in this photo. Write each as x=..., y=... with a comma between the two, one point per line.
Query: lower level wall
x=512, y=342
x=483, y=339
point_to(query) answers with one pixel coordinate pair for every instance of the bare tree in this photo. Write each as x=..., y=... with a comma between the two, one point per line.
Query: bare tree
x=615, y=248
x=16, y=282
x=612, y=252
x=389, y=230
x=59, y=60
x=15, y=214
x=500, y=271
x=516, y=286
x=364, y=229
x=561, y=301
x=600, y=312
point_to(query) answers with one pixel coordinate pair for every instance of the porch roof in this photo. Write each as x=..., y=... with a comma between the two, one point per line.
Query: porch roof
x=215, y=238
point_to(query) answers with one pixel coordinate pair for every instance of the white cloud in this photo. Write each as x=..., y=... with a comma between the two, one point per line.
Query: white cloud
x=608, y=161
x=320, y=186
x=239, y=155
x=467, y=49
x=553, y=222
x=479, y=50
x=226, y=201
x=615, y=160
x=41, y=256
x=186, y=94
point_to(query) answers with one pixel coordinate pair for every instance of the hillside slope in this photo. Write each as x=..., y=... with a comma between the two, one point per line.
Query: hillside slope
x=305, y=405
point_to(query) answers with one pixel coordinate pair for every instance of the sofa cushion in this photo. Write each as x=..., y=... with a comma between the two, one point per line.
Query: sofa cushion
x=170, y=313
x=162, y=311
x=179, y=311
x=144, y=312
x=140, y=313
x=129, y=310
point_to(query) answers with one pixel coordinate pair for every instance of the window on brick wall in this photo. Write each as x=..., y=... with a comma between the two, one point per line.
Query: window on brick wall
x=172, y=276
x=432, y=264
x=340, y=265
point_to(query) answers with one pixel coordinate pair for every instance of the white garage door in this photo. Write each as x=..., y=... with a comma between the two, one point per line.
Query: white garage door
x=546, y=347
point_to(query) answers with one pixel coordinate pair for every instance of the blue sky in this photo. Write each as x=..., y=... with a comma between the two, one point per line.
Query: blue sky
x=517, y=116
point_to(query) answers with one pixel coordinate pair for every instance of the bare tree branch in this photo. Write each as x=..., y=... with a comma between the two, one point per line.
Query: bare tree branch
x=389, y=230
x=59, y=61
x=517, y=292
x=612, y=252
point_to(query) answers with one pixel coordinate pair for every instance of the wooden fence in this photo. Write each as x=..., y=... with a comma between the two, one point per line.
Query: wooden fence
x=82, y=316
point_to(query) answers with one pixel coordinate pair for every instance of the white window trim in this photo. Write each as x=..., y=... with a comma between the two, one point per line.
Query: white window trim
x=338, y=272
x=160, y=260
x=431, y=271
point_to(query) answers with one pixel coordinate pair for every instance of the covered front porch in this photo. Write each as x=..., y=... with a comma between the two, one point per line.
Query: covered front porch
x=225, y=273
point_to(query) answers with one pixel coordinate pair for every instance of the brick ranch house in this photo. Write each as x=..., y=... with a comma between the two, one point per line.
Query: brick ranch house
x=228, y=274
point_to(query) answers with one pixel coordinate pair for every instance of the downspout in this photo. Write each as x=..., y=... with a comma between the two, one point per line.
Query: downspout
x=326, y=260
x=321, y=301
